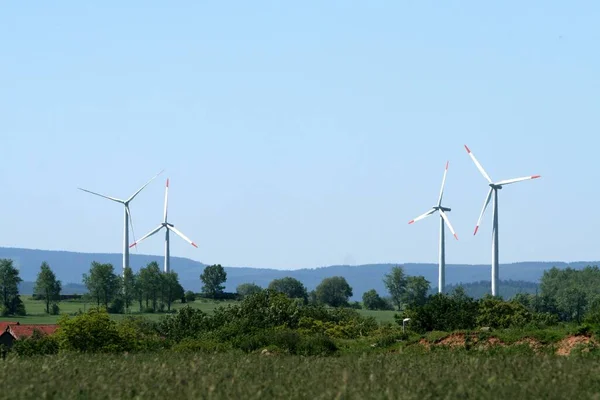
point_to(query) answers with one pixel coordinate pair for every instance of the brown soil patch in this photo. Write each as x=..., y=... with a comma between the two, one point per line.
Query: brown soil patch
x=454, y=340
x=425, y=343
x=565, y=346
x=495, y=342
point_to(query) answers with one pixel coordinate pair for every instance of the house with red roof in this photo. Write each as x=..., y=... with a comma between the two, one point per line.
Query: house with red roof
x=11, y=331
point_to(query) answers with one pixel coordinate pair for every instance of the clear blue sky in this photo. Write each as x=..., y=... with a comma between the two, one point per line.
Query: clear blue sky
x=301, y=135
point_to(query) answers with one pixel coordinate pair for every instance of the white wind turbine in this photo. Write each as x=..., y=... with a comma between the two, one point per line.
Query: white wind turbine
x=443, y=218
x=168, y=227
x=494, y=187
x=127, y=218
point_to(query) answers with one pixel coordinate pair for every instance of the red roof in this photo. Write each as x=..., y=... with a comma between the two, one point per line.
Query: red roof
x=25, y=331
x=5, y=324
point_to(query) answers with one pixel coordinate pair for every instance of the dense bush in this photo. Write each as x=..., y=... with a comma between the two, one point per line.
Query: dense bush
x=496, y=313
x=37, y=345
x=442, y=313
x=94, y=332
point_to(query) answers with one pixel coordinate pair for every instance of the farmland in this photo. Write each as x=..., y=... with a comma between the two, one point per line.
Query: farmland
x=442, y=374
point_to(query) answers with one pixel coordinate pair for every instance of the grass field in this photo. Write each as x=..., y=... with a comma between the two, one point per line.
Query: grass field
x=36, y=310
x=436, y=375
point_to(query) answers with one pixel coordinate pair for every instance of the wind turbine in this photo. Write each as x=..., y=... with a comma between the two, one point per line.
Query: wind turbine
x=494, y=187
x=127, y=218
x=168, y=227
x=443, y=218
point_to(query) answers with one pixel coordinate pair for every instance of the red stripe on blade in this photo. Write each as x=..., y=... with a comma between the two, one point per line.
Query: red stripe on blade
x=536, y=176
x=195, y=245
x=447, y=163
x=456, y=236
x=411, y=222
x=476, y=229
x=468, y=150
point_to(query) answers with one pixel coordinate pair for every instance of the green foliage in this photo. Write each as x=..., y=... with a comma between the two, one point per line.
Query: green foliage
x=188, y=322
x=10, y=302
x=395, y=282
x=102, y=283
x=190, y=345
x=149, y=282
x=372, y=301
x=129, y=289
x=443, y=313
x=37, y=345
x=93, y=332
x=171, y=290
x=247, y=289
x=291, y=287
x=190, y=296
x=47, y=287
x=569, y=292
x=416, y=289
x=213, y=278
x=334, y=291
x=496, y=313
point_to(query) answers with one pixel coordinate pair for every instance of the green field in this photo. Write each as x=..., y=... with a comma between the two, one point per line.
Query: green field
x=436, y=375
x=36, y=310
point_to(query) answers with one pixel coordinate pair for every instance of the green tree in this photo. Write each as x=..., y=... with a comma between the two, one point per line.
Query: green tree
x=395, y=283
x=150, y=285
x=171, y=289
x=190, y=296
x=334, y=291
x=372, y=301
x=248, y=289
x=572, y=302
x=442, y=313
x=213, y=278
x=415, y=293
x=129, y=289
x=102, y=283
x=47, y=287
x=291, y=287
x=9, y=289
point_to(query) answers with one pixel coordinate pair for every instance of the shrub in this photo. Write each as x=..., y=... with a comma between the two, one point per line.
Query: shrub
x=190, y=345
x=117, y=306
x=186, y=323
x=497, y=313
x=318, y=345
x=54, y=309
x=93, y=332
x=37, y=345
x=190, y=296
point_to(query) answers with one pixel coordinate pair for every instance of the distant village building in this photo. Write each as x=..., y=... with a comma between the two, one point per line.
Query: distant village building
x=11, y=331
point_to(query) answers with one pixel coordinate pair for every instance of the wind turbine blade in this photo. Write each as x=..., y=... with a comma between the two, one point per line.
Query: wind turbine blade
x=131, y=224
x=420, y=217
x=166, y=200
x=443, y=214
x=147, y=235
x=487, y=201
x=443, y=184
x=479, y=167
x=101, y=195
x=181, y=235
x=509, y=181
x=142, y=188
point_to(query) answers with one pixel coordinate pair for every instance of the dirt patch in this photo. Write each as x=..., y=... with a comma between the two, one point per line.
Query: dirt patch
x=425, y=343
x=565, y=346
x=495, y=342
x=454, y=340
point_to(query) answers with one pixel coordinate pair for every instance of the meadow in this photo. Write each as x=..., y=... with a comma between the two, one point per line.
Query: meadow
x=36, y=312
x=435, y=375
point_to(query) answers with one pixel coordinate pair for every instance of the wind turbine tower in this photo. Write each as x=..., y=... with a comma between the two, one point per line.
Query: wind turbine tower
x=494, y=187
x=443, y=218
x=168, y=228
x=127, y=218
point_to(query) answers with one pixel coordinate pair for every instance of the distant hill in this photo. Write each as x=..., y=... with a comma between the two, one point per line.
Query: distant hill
x=69, y=267
x=508, y=289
